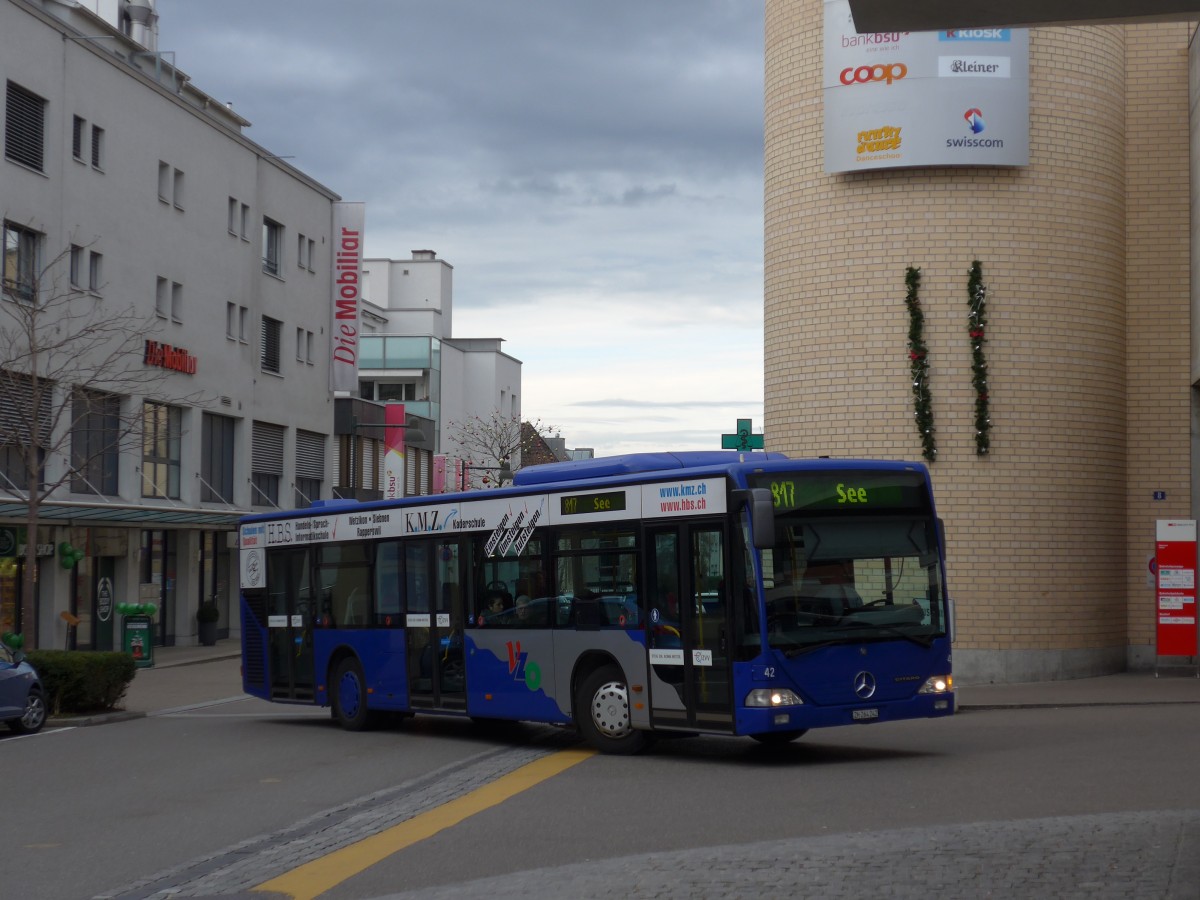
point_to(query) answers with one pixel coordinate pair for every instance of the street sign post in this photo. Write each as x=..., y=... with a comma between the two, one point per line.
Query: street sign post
x=1175, y=594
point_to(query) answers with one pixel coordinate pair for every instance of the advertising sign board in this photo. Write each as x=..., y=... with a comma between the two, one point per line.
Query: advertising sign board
x=924, y=98
x=1175, y=593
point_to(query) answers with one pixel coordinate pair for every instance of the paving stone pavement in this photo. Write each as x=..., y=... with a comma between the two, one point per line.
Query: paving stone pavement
x=1145, y=855
x=1153, y=855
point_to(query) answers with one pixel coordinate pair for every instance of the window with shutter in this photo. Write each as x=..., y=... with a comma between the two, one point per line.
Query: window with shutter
x=266, y=463
x=271, y=329
x=24, y=127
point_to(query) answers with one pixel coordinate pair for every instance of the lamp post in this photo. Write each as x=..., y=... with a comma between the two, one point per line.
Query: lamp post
x=503, y=473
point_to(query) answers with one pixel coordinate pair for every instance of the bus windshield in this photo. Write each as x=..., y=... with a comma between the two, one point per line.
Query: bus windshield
x=832, y=579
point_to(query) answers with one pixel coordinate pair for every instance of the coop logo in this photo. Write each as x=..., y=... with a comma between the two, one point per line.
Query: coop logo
x=886, y=72
x=976, y=34
x=976, y=125
x=879, y=140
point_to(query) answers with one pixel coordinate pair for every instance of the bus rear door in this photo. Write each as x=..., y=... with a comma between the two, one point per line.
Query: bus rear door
x=435, y=599
x=290, y=612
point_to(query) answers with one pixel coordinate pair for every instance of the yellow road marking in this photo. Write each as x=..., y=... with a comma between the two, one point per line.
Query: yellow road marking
x=315, y=878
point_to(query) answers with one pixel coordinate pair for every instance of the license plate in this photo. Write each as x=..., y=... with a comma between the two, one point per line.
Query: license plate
x=862, y=714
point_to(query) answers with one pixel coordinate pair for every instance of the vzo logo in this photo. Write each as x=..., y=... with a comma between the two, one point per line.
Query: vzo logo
x=521, y=669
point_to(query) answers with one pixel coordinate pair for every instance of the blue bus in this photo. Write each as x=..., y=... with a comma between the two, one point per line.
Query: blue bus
x=693, y=593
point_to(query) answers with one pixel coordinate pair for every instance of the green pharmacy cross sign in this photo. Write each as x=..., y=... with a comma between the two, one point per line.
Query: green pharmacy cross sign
x=743, y=440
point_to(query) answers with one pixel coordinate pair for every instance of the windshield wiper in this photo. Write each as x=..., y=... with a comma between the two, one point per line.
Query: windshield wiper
x=890, y=629
x=800, y=650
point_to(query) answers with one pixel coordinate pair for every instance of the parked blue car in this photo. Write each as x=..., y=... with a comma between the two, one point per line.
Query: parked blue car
x=22, y=697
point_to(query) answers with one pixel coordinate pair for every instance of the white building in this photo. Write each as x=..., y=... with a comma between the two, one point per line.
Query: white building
x=410, y=355
x=157, y=202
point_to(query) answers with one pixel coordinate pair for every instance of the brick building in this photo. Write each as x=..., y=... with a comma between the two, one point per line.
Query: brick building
x=1086, y=254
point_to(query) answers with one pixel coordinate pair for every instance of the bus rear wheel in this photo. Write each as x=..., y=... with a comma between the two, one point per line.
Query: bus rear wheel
x=602, y=711
x=348, y=695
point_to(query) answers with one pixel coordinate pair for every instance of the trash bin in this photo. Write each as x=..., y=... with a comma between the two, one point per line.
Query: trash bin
x=138, y=640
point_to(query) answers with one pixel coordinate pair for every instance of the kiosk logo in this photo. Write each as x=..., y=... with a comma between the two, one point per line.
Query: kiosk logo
x=976, y=34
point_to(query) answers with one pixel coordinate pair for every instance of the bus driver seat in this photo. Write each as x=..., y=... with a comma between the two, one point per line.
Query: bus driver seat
x=832, y=583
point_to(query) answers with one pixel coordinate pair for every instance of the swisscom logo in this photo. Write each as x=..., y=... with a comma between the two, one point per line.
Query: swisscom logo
x=976, y=34
x=976, y=125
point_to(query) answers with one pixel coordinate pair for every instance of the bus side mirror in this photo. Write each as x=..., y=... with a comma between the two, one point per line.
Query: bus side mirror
x=762, y=515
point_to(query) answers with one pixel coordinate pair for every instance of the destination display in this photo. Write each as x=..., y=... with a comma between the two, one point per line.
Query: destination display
x=581, y=504
x=847, y=491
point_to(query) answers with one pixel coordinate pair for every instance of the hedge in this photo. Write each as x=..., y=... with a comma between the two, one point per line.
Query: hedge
x=82, y=681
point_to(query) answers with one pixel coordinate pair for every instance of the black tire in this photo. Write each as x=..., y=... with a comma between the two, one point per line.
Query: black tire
x=602, y=713
x=779, y=738
x=348, y=696
x=34, y=717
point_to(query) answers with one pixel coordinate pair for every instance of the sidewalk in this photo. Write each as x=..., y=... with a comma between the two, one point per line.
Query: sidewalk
x=180, y=677
x=183, y=677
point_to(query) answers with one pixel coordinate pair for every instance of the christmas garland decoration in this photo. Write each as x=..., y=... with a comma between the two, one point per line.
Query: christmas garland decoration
x=976, y=323
x=918, y=357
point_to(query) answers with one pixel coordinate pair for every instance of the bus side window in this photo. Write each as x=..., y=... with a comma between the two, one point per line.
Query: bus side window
x=387, y=586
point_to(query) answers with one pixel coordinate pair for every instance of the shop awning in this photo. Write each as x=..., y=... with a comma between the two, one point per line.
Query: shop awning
x=936, y=15
x=60, y=513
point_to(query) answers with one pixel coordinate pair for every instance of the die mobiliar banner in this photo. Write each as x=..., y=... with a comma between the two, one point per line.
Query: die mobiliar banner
x=924, y=98
x=346, y=295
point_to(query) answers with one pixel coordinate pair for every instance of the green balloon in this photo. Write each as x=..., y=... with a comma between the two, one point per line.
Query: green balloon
x=149, y=609
x=67, y=562
x=64, y=548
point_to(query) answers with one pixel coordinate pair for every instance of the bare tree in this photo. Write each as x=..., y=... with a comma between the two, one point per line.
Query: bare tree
x=69, y=362
x=494, y=444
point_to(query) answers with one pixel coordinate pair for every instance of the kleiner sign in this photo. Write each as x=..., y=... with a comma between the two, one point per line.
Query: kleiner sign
x=923, y=98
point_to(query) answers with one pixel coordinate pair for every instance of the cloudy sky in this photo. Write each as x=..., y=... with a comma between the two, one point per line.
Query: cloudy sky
x=593, y=172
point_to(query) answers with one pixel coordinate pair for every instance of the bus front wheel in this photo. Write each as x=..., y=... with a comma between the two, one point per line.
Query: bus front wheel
x=602, y=711
x=348, y=692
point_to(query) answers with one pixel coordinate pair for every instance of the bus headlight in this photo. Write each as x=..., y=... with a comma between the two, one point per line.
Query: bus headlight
x=937, y=684
x=772, y=697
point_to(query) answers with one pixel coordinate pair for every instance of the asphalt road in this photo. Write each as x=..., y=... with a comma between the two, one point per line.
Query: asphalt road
x=1090, y=801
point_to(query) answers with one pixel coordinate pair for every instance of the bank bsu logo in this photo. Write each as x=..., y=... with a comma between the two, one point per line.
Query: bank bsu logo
x=885, y=72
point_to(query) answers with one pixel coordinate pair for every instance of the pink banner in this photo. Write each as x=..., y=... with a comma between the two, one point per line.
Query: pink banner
x=393, y=458
x=439, y=474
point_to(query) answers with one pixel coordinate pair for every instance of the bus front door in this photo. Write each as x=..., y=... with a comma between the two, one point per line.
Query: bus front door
x=689, y=628
x=290, y=615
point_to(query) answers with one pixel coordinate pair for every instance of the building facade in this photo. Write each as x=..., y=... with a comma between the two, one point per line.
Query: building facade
x=1091, y=364
x=410, y=355
x=128, y=195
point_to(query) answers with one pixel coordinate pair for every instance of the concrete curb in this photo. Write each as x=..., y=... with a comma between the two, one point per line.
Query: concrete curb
x=83, y=721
